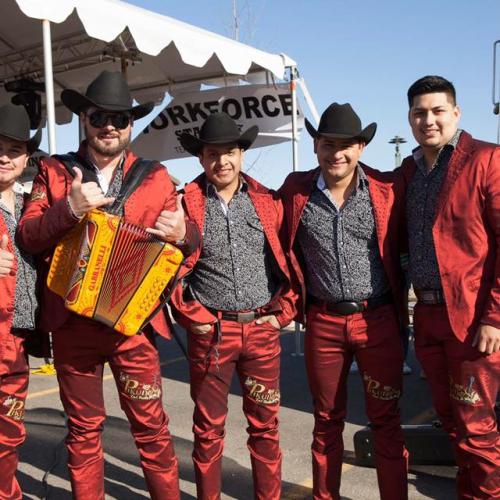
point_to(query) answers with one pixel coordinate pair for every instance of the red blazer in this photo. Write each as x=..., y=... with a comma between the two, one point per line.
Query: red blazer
x=270, y=212
x=47, y=219
x=466, y=234
x=7, y=289
x=387, y=196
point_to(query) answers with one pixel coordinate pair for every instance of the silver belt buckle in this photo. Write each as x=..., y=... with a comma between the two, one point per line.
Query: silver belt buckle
x=245, y=317
x=347, y=307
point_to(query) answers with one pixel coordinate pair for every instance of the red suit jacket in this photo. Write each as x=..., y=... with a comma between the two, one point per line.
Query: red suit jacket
x=466, y=234
x=47, y=219
x=387, y=196
x=7, y=289
x=270, y=212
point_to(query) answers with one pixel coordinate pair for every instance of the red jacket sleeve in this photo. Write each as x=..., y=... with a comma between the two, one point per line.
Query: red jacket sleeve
x=491, y=312
x=192, y=237
x=47, y=216
x=288, y=297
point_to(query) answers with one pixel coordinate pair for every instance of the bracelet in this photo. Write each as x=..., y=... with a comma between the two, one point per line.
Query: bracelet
x=71, y=211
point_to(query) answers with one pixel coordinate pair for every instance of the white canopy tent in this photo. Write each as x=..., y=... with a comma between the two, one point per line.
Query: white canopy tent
x=66, y=43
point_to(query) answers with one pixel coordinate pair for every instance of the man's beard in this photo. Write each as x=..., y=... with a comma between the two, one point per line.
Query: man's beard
x=108, y=149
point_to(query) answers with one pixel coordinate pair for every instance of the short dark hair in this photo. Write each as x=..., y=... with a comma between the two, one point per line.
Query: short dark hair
x=431, y=84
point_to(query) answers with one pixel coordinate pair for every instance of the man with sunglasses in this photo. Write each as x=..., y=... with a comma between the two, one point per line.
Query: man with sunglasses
x=82, y=346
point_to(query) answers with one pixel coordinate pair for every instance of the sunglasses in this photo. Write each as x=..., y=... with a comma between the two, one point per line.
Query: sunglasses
x=99, y=119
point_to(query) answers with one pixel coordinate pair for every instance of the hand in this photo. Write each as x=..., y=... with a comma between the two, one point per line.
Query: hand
x=87, y=196
x=6, y=258
x=487, y=339
x=171, y=226
x=200, y=328
x=271, y=319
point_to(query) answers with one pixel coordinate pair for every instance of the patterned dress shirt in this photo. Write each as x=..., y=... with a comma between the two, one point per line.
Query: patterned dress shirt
x=112, y=189
x=340, y=247
x=421, y=201
x=25, y=302
x=235, y=271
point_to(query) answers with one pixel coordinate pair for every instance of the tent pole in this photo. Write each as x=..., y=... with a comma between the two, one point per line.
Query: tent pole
x=123, y=62
x=293, y=90
x=49, y=86
x=309, y=100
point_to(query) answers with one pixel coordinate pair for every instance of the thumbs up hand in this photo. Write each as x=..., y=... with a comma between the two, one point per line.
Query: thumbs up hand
x=6, y=257
x=170, y=226
x=83, y=197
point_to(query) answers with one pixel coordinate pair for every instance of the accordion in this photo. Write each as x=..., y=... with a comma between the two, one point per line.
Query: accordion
x=113, y=272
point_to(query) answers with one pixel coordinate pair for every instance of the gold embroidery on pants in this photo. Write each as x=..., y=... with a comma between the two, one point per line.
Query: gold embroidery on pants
x=260, y=393
x=375, y=388
x=464, y=394
x=139, y=390
x=15, y=408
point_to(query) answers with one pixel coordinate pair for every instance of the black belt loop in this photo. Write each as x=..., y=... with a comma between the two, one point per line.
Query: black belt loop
x=20, y=332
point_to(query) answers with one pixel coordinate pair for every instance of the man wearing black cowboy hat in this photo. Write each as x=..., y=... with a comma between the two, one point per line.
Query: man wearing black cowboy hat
x=235, y=298
x=343, y=220
x=18, y=302
x=81, y=346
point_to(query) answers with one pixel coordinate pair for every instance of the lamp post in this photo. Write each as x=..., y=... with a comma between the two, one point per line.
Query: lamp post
x=396, y=140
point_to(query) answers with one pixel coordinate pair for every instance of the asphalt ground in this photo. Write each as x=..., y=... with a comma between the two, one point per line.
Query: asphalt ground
x=43, y=474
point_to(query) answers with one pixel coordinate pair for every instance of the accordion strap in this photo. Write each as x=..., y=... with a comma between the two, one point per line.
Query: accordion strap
x=136, y=174
x=72, y=160
x=138, y=171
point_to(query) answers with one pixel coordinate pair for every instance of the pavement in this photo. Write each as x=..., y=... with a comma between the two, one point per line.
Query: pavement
x=43, y=473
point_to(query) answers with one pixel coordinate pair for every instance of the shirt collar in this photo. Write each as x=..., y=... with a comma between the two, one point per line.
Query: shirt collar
x=418, y=153
x=362, y=180
x=210, y=189
x=18, y=200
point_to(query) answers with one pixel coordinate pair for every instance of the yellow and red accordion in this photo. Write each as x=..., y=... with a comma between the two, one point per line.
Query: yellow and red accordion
x=112, y=271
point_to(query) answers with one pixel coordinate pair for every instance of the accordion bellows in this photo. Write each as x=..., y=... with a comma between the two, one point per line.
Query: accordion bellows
x=112, y=271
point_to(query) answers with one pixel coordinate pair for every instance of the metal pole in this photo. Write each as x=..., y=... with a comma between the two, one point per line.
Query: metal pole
x=295, y=164
x=309, y=100
x=123, y=61
x=236, y=24
x=49, y=86
x=396, y=140
x=496, y=103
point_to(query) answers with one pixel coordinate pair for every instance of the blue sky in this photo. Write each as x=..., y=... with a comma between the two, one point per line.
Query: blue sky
x=366, y=53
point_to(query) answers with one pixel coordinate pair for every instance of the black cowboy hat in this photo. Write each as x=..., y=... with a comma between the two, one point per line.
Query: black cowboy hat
x=218, y=128
x=15, y=124
x=109, y=91
x=339, y=121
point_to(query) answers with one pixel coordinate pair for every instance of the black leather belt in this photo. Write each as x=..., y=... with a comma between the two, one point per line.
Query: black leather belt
x=239, y=317
x=346, y=307
x=430, y=297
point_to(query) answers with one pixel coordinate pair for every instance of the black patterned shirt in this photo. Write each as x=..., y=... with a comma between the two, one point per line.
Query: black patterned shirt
x=421, y=201
x=340, y=246
x=235, y=268
x=25, y=302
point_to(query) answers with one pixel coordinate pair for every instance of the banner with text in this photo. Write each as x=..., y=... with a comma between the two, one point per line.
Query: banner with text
x=267, y=106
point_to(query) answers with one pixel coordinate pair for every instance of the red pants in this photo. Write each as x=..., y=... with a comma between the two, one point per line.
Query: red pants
x=331, y=341
x=464, y=385
x=14, y=374
x=254, y=351
x=81, y=347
